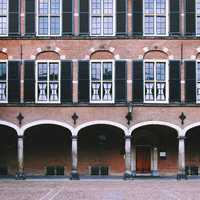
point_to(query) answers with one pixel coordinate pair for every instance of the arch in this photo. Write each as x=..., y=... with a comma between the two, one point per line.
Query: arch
x=156, y=54
x=11, y=125
x=161, y=123
x=3, y=56
x=50, y=122
x=101, y=122
x=101, y=54
x=48, y=55
x=189, y=127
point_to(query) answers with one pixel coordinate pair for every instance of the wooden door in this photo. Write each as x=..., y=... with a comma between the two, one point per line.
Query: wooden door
x=143, y=159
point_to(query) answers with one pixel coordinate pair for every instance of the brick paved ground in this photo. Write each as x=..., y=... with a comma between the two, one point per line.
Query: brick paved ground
x=100, y=190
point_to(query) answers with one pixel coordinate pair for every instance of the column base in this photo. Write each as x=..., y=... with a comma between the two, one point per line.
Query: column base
x=127, y=175
x=181, y=176
x=74, y=175
x=20, y=176
x=133, y=173
x=154, y=173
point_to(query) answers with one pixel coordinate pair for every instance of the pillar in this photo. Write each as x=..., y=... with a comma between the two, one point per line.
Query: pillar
x=181, y=158
x=74, y=172
x=20, y=152
x=154, y=168
x=127, y=174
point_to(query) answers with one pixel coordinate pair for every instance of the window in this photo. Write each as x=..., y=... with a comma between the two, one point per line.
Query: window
x=3, y=82
x=155, y=17
x=156, y=82
x=198, y=17
x=48, y=82
x=102, y=17
x=3, y=17
x=102, y=82
x=198, y=82
x=49, y=17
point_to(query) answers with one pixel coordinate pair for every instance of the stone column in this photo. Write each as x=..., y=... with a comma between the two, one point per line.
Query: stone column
x=20, y=149
x=133, y=157
x=154, y=171
x=182, y=16
x=181, y=158
x=74, y=172
x=127, y=174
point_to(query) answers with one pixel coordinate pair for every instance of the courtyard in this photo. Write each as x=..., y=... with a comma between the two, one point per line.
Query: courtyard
x=61, y=189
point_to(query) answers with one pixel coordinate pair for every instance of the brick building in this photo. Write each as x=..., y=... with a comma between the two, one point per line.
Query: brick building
x=99, y=87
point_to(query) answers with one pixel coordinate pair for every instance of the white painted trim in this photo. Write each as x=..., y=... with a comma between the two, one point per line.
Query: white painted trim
x=162, y=123
x=99, y=122
x=187, y=128
x=10, y=125
x=50, y=122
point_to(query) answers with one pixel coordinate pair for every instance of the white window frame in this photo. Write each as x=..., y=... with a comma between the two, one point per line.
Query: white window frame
x=167, y=80
x=5, y=61
x=59, y=82
x=49, y=19
x=114, y=20
x=154, y=15
x=196, y=16
x=197, y=61
x=113, y=81
x=7, y=16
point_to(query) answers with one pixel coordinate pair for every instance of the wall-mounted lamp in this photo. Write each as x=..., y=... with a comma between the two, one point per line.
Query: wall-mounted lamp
x=20, y=118
x=129, y=114
x=75, y=118
x=182, y=117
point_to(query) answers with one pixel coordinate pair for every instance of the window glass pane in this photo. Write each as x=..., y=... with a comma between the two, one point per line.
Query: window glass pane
x=42, y=71
x=43, y=7
x=149, y=71
x=55, y=7
x=107, y=91
x=53, y=88
x=3, y=71
x=55, y=25
x=96, y=25
x=96, y=71
x=3, y=26
x=108, y=7
x=198, y=25
x=149, y=25
x=42, y=91
x=149, y=6
x=161, y=25
x=53, y=71
x=43, y=25
x=3, y=7
x=96, y=7
x=160, y=92
x=198, y=6
x=108, y=25
x=96, y=91
x=149, y=91
x=161, y=6
x=160, y=71
x=107, y=71
x=198, y=71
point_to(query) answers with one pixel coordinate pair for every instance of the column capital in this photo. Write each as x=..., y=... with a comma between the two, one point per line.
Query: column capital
x=181, y=137
x=74, y=137
x=20, y=137
x=127, y=136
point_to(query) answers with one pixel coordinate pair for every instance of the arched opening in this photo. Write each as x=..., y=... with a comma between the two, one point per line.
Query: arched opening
x=8, y=151
x=101, y=151
x=47, y=150
x=154, y=150
x=192, y=151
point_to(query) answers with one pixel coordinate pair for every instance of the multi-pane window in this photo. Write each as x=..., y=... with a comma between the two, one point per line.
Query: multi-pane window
x=102, y=82
x=198, y=17
x=3, y=17
x=155, y=17
x=102, y=17
x=48, y=82
x=198, y=82
x=49, y=17
x=3, y=82
x=156, y=81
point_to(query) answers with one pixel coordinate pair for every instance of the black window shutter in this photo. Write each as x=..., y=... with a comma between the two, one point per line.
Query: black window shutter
x=13, y=81
x=14, y=17
x=137, y=19
x=30, y=17
x=67, y=18
x=174, y=81
x=120, y=81
x=29, y=81
x=66, y=81
x=190, y=81
x=174, y=17
x=83, y=81
x=138, y=81
x=121, y=17
x=190, y=21
x=84, y=17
